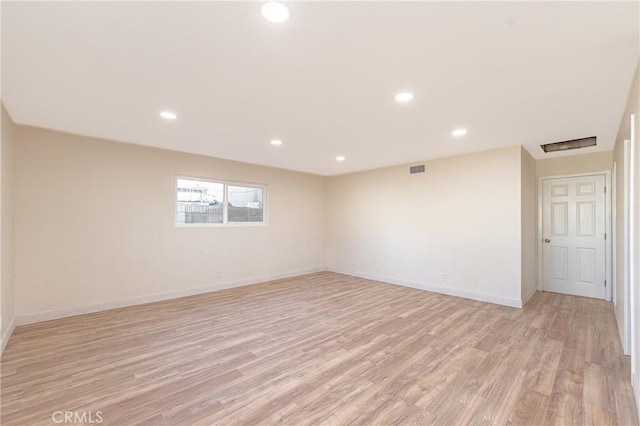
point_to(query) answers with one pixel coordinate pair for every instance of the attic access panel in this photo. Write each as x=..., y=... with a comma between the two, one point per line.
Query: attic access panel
x=567, y=145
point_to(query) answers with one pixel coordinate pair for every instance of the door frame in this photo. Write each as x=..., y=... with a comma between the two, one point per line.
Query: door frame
x=634, y=161
x=614, y=234
x=626, y=246
x=607, y=244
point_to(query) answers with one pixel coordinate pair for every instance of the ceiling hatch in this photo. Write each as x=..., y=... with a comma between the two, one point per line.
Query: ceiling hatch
x=567, y=145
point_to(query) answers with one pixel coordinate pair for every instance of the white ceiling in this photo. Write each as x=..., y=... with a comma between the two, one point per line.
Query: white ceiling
x=324, y=82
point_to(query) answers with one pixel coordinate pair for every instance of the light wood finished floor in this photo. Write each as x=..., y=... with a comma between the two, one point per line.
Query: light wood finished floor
x=324, y=349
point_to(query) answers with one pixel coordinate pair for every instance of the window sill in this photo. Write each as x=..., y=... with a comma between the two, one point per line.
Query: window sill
x=222, y=225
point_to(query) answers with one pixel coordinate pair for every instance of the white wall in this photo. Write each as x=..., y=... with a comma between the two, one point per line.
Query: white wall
x=618, y=267
x=95, y=225
x=529, y=212
x=633, y=107
x=7, y=229
x=636, y=237
x=636, y=260
x=461, y=218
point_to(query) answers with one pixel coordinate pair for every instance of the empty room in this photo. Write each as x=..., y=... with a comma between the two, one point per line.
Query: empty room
x=320, y=213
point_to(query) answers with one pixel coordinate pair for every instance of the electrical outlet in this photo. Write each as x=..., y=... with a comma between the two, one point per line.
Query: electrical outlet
x=219, y=275
x=444, y=278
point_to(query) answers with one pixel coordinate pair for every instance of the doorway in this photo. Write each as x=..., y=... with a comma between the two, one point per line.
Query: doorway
x=574, y=247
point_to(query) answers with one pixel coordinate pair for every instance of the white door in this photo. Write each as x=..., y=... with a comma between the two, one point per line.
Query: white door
x=573, y=232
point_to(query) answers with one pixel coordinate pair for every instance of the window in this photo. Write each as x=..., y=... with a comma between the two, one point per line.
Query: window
x=244, y=204
x=203, y=202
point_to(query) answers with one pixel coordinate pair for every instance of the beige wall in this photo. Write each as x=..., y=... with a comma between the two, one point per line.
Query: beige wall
x=529, y=203
x=581, y=163
x=7, y=228
x=95, y=224
x=632, y=107
x=461, y=218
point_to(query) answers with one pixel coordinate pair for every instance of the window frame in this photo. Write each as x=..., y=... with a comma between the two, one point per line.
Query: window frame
x=225, y=211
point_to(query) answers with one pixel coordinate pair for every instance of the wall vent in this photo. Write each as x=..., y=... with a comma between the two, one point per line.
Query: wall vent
x=417, y=169
x=572, y=144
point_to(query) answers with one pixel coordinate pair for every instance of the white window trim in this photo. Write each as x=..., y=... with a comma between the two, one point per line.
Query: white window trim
x=226, y=183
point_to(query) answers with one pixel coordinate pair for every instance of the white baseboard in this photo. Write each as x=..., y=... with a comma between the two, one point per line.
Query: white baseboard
x=6, y=336
x=528, y=297
x=105, y=306
x=436, y=288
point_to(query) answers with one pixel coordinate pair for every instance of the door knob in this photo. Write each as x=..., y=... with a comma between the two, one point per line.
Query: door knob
x=546, y=240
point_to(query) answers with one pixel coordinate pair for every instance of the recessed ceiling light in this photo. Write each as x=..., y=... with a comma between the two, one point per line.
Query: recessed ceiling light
x=404, y=97
x=168, y=115
x=459, y=132
x=275, y=12
x=276, y=142
x=340, y=158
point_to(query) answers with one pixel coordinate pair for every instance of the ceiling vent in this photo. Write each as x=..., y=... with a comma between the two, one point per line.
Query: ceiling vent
x=417, y=169
x=572, y=144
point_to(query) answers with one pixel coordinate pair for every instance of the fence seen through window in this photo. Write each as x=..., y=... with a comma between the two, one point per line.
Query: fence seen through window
x=210, y=202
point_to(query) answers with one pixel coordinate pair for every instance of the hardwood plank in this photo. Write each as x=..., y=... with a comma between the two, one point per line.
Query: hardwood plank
x=324, y=349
